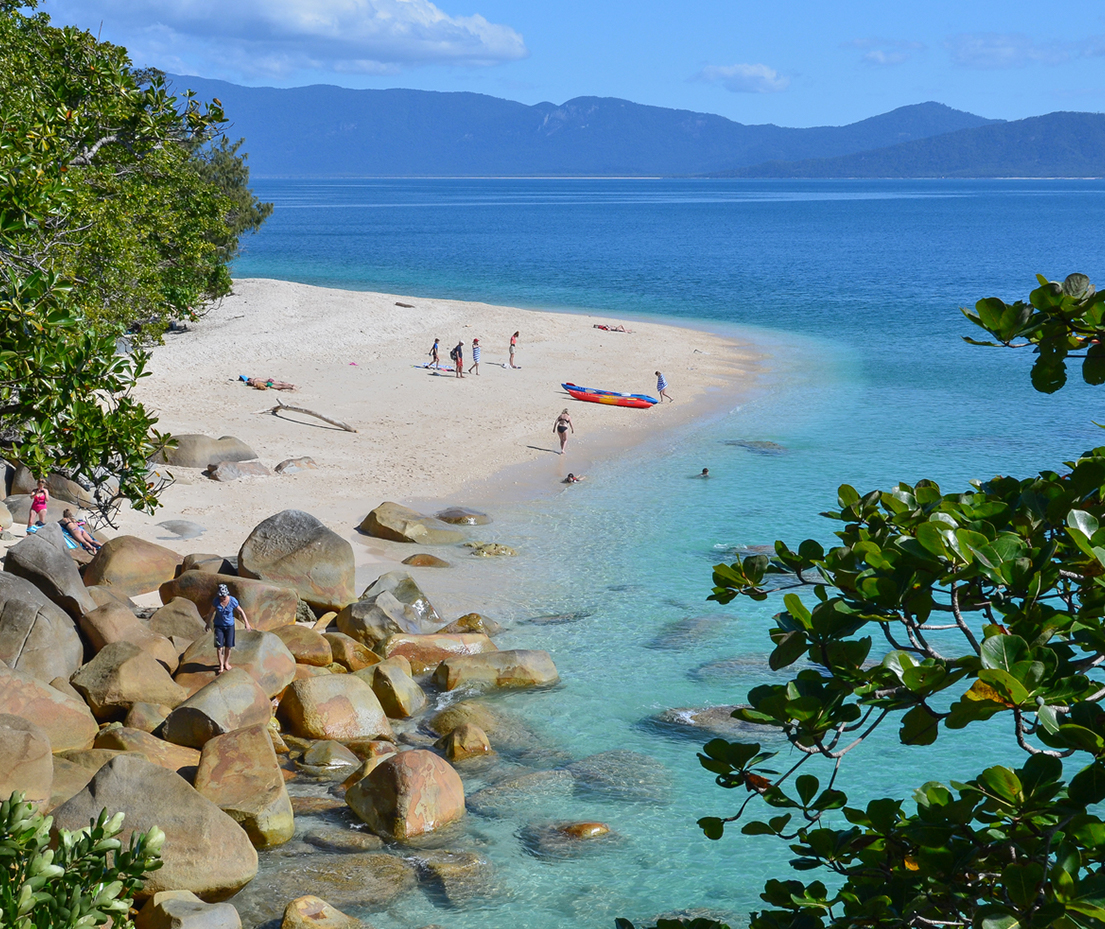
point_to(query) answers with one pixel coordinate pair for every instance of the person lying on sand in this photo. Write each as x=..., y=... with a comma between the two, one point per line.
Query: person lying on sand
x=266, y=383
x=75, y=528
x=618, y=328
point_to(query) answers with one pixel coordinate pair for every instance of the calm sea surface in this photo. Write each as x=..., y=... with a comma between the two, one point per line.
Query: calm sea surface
x=853, y=287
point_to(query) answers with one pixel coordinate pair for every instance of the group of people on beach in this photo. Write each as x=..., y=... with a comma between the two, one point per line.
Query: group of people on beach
x=456, y=355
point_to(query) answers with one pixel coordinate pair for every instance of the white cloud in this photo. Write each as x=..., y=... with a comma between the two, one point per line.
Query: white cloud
x=885, y=52
x=281, y=37
x=744, y=78
x=994, y=51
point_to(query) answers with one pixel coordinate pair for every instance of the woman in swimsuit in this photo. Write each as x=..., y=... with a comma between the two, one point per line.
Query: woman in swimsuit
x=40, y=499
x=561, y=426
x=513, y=346
x=75, y=527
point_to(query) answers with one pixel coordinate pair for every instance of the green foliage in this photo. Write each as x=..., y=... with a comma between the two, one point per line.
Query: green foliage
x=1059, y=320
x=116, y=214
x=86, y=880
x=988, y=605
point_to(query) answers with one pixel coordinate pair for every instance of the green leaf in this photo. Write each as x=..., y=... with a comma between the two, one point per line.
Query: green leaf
x=919, y=727
x=1093, y=366
x=1087, y=787
x=806, y=785
x=1003, y=651
x=712, y=826
x=1023, y=882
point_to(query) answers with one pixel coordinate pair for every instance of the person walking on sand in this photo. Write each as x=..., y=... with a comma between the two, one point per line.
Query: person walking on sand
x=662, y=387
x=475, y=357
x=40, y=499
x=222, y=612
x=435, y=360
x=561, y=426
x=457, y=354
x=513, y=346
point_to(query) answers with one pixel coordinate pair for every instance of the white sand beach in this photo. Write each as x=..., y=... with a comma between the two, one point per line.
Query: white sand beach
x=421, y=436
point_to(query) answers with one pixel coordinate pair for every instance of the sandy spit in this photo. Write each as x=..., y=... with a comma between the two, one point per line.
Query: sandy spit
x=421, y=436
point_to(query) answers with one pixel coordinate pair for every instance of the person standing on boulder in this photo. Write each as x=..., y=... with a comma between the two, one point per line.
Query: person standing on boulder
x=222, y=614
x=40, y=499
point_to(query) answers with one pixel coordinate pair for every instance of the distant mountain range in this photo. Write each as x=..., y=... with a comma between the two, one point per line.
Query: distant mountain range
x=1056, y=145
x=326, y=131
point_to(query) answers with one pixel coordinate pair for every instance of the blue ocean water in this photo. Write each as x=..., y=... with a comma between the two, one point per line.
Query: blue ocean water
x=853, y=288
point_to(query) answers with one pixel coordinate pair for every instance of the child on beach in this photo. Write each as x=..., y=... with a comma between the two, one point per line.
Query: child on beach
x=40, y=499
x=435, y=361
x=513, y=346
x=222, y=612
x=475, y=357
x=561, y=426
x=662, y=387
x=457, y=354
x=573, y=478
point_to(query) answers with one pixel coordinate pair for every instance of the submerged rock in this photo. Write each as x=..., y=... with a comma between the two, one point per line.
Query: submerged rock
x=522, y=792
x=707, y=722
x=622, y=775
x=373, y=881
x=687, y=632
x=490, y=549
x=757, y=446
x=567, y=839
x=458, y=876
x=426, y=560
x=462, y=516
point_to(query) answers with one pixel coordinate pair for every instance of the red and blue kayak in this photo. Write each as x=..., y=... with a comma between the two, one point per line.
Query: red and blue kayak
x=593, y=395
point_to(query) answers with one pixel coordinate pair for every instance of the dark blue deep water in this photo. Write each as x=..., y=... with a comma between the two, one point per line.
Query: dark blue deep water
x=853, y=289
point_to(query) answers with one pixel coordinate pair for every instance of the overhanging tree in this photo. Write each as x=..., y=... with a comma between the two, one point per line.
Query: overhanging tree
x=938, y=612
x=116, y=213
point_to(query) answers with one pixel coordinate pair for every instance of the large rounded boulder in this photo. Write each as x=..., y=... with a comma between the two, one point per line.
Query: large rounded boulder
x=132, y=565
x=514, y=668
x=36, y=636
x=260, y=654
x=308, y=646
x=205, y=851
x=293, y=549
x=179, y=617
x=402, y=524
x=26, y=763
x=392, y=604
x=67, y=721
x=194, y=450
x=334, y=706
x=407, y=795
x=426, y=652
x=232, y=701
x=112, y=623
x=123, y=674
x=268, y=606
x=239, y=773
x=43, y=560
x=157, y=751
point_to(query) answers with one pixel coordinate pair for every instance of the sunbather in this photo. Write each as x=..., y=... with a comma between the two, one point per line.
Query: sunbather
x=266, y=383
x=75, y=528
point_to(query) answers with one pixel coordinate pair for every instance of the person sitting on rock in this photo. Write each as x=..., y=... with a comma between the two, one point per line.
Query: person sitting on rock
x=222, y=613
x=75, y=528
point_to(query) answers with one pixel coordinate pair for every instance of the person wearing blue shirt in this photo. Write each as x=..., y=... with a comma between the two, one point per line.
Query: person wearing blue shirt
x=221, y=615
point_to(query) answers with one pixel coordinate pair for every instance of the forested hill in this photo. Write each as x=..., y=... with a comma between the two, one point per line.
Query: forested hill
x=326, y=131
x=1056, y=145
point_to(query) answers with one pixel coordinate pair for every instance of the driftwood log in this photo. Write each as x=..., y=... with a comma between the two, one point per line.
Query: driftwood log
x=299, y=409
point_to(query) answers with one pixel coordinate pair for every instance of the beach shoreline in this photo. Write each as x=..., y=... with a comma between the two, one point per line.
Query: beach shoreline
x=423, y=438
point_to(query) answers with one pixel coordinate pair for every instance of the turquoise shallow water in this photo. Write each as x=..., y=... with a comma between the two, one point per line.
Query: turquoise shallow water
x=853, y=289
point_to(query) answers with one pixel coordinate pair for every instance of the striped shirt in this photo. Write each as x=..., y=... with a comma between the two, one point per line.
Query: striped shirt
x=476, y=354
x=661, y=384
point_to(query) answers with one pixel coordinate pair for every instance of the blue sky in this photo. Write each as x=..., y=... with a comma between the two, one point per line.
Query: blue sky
x=791, y=62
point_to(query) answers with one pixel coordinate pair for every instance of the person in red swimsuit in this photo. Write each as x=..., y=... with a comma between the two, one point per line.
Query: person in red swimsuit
x=40, y=499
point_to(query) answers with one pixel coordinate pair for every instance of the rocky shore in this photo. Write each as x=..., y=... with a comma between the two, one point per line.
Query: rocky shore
x=332, y=768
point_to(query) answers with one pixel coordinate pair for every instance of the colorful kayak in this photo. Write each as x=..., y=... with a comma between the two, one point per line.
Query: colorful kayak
x=637, y=401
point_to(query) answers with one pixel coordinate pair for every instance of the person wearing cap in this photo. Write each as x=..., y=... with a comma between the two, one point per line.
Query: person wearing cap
x=222, y=613
x=457, y=354
x=475, y=357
